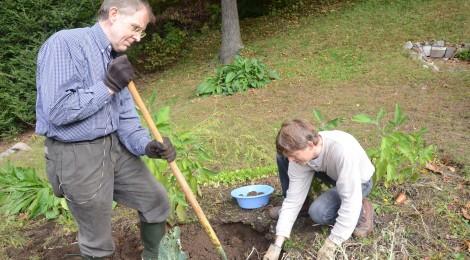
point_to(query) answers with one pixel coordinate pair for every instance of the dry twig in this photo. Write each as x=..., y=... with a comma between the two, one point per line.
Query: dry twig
x=422, y=220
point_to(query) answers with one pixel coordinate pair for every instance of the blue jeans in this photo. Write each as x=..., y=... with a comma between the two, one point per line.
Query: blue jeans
x=324, y=210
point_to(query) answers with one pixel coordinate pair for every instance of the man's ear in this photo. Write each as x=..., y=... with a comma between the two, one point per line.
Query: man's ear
x=310, y=145
x=112, y=14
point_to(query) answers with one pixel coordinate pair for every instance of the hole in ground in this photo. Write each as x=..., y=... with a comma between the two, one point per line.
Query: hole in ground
x=238, y=241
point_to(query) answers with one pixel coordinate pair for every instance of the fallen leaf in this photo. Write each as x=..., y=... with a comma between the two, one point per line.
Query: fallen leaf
x=465, y=214
x=432, y=166
x=400, y=198
x=445, y=177
x=468, y=205
x=23, y=216
x=467, y=242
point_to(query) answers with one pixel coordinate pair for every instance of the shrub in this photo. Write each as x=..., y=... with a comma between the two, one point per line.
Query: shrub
x=158, y=52
x=464, y=55
x=191, y=155
x=24, y=26
x=401, y=155
x=241, y=74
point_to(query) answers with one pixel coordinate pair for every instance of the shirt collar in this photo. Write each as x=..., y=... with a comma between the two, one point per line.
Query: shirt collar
x=317, y=163
x=101, y=39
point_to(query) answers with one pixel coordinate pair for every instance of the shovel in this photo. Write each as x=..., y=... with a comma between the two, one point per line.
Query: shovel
x=176, y=171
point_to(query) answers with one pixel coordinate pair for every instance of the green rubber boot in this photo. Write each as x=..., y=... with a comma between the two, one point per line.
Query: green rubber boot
x=151, y=235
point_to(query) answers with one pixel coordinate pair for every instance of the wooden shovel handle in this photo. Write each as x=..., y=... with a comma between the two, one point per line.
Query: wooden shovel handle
x=176, y=171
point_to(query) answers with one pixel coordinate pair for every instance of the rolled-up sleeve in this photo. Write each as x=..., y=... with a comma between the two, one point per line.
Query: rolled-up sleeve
x=66, y=98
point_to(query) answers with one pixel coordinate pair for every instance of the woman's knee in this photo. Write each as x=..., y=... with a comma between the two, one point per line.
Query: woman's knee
x=323, y=214
x=316, y=213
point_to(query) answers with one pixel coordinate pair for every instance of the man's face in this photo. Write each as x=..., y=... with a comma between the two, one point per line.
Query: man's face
x=128, y=29
x=301, y=157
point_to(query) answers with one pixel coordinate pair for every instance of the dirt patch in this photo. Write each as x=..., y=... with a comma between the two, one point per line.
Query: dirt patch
x=426, y=226
x=239, y=241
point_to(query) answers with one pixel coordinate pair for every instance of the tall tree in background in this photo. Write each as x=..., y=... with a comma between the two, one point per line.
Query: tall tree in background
x=231, y=38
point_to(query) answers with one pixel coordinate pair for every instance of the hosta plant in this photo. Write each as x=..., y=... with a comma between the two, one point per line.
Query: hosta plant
x=23, y=192
x=240, y=75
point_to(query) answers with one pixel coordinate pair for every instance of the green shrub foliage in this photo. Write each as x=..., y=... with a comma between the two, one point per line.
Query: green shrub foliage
x=401, y=155
x=24, y=26
x=241, y=74
x=191, y=157
x=464, y=55
x=156, y=52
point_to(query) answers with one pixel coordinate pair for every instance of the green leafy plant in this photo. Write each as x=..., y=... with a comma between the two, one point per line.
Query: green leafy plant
x=159, y=52
x=401, y=155
x=328, y=125
x=170, y=247
x=190, y=158
x=22, y=191
x=240, y=75
x=464, y=55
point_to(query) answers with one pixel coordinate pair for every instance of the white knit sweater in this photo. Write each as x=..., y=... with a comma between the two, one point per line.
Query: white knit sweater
x=345, y=161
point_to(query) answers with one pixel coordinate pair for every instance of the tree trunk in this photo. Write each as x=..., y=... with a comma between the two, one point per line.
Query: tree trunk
x=231, y=38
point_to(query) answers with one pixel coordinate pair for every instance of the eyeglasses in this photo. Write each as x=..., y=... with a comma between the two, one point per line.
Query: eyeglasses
x=138, y=31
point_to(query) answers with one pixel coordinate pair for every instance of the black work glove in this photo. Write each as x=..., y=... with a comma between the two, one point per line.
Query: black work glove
x=119, y=74
x=163, y=150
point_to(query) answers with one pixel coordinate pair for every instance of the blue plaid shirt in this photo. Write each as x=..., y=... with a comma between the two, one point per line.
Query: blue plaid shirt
x=73, y=104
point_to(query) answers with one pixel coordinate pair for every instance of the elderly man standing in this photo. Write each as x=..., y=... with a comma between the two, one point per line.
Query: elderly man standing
x=94, y=138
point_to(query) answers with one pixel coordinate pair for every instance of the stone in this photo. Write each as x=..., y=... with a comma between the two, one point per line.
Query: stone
x=21, y=147
x=466, y=45
x=438, y=52
x=417, y=44
x=408, y=45
x=417, y=49
x=427, y=50
x=449, y=52
x=438, y=44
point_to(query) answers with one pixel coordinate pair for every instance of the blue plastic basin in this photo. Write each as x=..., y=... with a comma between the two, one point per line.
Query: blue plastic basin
x=252, y=202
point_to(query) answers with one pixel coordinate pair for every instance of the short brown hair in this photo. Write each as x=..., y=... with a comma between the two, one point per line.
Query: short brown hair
x=127, y=7
x=294, y=135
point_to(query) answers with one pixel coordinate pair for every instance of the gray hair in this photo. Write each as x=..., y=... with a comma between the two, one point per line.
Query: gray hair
x=126, y=7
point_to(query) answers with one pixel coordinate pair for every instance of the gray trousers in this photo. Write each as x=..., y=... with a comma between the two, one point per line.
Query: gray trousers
x=90, y=175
